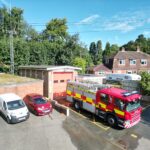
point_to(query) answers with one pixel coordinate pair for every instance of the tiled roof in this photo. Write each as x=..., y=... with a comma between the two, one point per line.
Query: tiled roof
x=99, y=67
x=131, y=55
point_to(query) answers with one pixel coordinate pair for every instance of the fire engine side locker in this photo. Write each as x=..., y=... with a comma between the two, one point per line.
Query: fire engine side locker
x=89, y=103
x=69, y=93
x=77, y=98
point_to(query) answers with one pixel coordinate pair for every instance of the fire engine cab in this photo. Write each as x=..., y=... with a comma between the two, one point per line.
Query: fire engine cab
x=116, y=106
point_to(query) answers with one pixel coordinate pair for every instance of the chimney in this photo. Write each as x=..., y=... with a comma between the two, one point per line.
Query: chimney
x=138, y=49
x=123, y=49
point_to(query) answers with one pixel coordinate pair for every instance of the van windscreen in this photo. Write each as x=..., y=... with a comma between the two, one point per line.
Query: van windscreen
x=15, y=104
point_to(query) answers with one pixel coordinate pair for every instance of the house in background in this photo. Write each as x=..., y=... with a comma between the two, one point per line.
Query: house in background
x=55, y=78
x=98, y=70
x=129, y=62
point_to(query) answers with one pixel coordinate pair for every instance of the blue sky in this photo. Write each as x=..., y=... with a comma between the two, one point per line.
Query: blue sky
x=116, y=21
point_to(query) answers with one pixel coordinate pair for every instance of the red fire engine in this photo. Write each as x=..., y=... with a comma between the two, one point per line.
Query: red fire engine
x=114, y=105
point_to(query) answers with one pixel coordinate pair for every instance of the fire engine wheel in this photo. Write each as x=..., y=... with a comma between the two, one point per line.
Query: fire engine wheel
x=111, y=120
x=77, y=105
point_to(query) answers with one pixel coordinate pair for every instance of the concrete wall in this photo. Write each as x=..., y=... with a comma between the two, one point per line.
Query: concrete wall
x=22, y=89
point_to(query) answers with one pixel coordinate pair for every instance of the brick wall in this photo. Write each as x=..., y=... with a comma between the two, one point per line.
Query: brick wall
x=22, y=89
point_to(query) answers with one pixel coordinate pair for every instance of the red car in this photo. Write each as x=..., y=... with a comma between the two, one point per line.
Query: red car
x=38, y=104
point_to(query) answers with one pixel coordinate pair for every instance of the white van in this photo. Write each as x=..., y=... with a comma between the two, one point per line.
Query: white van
x=13, y=108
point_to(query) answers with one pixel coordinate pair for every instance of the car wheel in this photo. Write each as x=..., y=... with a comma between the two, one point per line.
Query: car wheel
x=111, y=120
x=35, y=112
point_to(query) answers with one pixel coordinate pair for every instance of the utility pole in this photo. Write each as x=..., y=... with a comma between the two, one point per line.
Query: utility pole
x=11, y=52
x=11, y=43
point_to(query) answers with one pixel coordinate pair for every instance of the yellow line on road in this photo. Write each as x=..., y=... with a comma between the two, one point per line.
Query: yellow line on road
x=95, y=123
x=98, y=125
x=134, y=136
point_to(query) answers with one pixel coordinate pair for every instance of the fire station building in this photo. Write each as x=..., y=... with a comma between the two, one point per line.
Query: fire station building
x=55, y=78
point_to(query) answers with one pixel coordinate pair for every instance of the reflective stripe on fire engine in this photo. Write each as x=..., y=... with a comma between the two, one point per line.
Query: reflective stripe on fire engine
x=97, y=106
x=69, y=92
x=78, y=95
x=119, y=112
x=102, y=105
x=90, y=100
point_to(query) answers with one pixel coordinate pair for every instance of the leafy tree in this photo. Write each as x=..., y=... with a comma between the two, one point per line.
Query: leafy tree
x=80, y=62
x=11, y=21
x=141, y=41
x=145, y=83
x=4, y=55
x=92, y=50
x=21, y=53
x=99, y=52
x=56, y=29
x=130, y=46
x=30, y=33
x=114, y=49
x=95, y=52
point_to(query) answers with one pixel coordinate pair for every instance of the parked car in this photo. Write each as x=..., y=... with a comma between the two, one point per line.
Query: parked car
x=13, y=108
x=38, y=104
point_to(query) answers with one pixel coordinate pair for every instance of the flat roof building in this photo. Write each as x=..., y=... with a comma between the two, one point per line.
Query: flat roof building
x=55, y=78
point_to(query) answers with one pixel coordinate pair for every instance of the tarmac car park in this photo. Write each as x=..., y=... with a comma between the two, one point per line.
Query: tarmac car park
x=78, y=131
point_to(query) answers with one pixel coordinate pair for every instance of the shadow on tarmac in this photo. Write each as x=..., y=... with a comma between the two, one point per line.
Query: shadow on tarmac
x=146, y=116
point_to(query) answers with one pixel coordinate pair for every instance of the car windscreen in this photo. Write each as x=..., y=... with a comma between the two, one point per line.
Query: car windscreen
x=39, y=100
x=15, y=104
x=132, y=105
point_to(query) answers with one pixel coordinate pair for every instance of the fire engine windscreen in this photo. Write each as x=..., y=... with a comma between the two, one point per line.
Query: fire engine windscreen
x=132, y=105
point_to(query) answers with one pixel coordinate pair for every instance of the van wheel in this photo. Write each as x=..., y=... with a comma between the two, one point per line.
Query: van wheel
x=111, y=120
x=77, y=105
x=8, y=120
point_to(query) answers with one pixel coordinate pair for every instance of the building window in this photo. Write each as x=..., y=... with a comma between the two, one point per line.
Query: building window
x=121, y=62
x=55, y=81
x=143, y=62
x=101, y=73
x=132, y=61
x=62, y=81
x=104, y=98
x=119, y=104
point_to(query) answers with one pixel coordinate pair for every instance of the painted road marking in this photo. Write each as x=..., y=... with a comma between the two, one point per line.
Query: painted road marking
x=95, y=123
x=146, y=107
x=100, y=126
x=134, y=136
